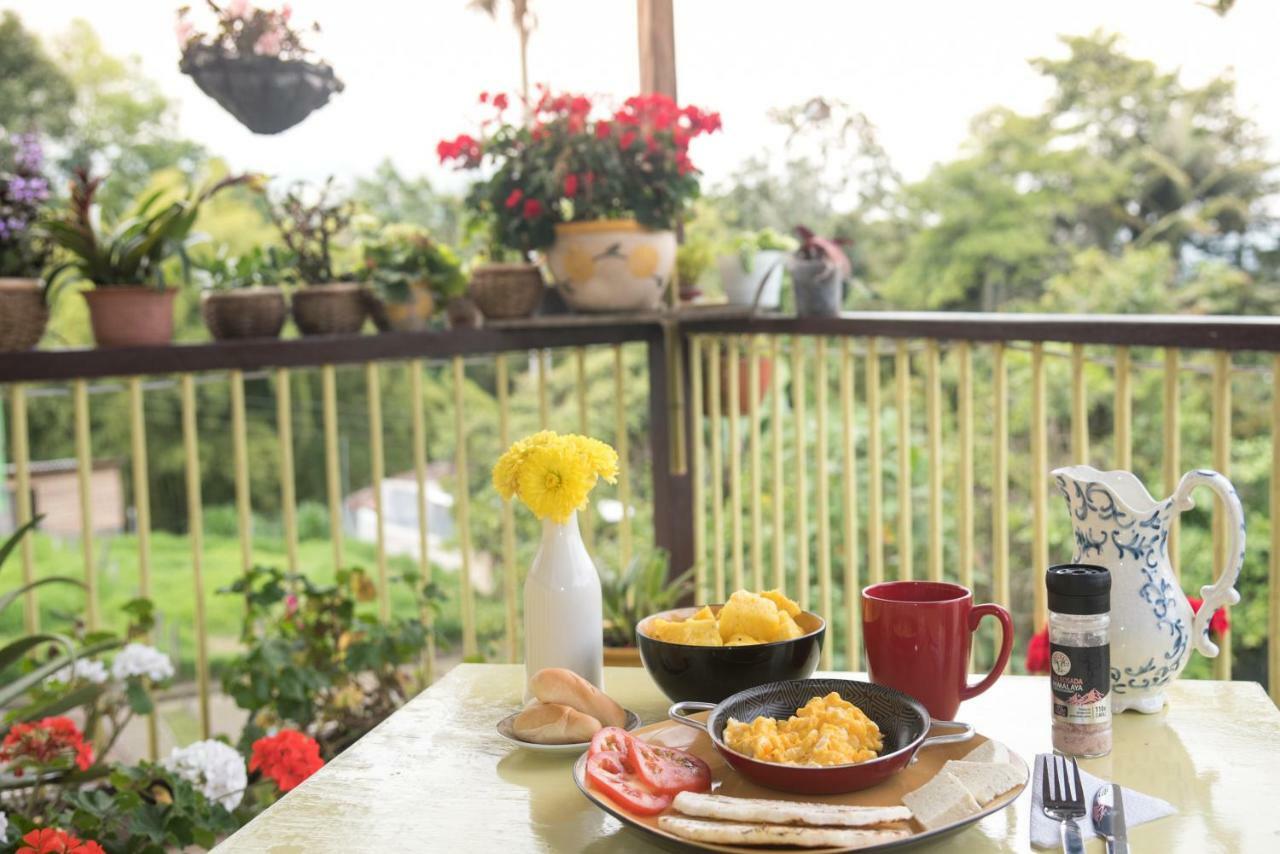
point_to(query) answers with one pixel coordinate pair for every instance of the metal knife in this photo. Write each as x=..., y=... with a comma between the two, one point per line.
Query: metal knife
x=1108, y=818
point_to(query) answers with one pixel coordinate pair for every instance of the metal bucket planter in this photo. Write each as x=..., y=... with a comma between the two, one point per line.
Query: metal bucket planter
x=266, y=94
x=23, y=314
x=818, y=288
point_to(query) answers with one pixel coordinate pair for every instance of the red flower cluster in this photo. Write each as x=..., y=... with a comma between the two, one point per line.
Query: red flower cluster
x=46, y=742
x=51, y=840
x=1038, y=652
x=1219, y=623
x=288, y=758
x=465, y=149
x=499, y=100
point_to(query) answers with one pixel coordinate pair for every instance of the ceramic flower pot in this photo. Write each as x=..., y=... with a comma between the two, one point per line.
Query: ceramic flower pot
x=23, y=314
x=248, y=313
x=764, y=276
x=336, y=308
x=612, y=265
x=131, y=316
x=408, y=315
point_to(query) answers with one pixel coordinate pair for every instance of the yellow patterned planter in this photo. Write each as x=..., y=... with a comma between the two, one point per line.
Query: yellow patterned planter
x=612, y=265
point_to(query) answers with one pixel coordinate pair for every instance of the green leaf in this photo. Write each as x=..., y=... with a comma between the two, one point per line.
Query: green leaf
x=8, y=599
x=12, y=542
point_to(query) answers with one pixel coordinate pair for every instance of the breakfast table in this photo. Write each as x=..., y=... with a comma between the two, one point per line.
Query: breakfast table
x=437, y=776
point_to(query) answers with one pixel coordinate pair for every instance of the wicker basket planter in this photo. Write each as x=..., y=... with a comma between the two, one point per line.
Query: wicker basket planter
x=248, y=313
x=337, y=308
x=507, y=291
x=266, y=94
x=23, y=314
x=131, y=316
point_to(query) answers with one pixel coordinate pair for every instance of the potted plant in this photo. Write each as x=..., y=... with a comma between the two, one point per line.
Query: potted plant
x=255, y=65
x=693, y=259
x=751, y=272
x=411, y=275
x=242, y=297
x=310, y=223
x=600, y=195
x=130, y=303
x=23, y=251
x=630, y=596
x=818, y=270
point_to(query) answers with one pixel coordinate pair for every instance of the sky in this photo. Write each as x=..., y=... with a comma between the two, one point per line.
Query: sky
x=919, y=69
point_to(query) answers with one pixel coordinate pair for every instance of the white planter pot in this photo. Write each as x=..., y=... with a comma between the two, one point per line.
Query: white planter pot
x=563, y=614
x=612, y=265
x=740, y=285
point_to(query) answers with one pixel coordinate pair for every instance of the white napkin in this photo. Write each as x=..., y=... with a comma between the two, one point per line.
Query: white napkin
x=1138, y=808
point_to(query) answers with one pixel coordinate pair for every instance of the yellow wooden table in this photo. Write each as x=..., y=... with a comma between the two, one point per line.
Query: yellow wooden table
x=437, y=777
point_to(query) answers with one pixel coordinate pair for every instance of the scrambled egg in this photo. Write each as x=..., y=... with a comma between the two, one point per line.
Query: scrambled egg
x=825, y=731
x=747, y=618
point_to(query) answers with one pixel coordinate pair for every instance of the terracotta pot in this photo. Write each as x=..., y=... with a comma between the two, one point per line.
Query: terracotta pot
x=131, y=316
x=744, y=385
x=612, y=265
x=410, y=315
x=507, y=291
x=335, y=308
x=622, y=656
x=23, y=314
x=248, y=313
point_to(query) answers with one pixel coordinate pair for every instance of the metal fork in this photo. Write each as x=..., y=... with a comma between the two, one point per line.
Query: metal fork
x=1062, y=799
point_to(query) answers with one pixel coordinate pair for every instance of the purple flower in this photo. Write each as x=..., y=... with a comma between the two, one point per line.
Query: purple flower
x=29, y=190
x=28, y=156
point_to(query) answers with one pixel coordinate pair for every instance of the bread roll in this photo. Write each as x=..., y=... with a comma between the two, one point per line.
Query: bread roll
x=551, y=723
x=557, y=685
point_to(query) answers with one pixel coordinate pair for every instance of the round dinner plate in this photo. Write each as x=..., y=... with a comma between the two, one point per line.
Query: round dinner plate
x=504, y=730
x=726, y=781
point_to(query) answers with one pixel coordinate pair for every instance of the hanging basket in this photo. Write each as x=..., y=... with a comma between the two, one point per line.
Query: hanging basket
x=266, y=94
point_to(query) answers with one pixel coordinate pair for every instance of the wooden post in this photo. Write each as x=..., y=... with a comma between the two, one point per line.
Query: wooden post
x=657, y=33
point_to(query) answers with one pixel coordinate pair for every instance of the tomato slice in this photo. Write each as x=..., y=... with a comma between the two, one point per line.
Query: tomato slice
x=667, y=770
x=611, y=738
x=607, y=771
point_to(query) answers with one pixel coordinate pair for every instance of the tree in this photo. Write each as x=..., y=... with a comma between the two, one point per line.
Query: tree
x=34, y=93
x=392, y=197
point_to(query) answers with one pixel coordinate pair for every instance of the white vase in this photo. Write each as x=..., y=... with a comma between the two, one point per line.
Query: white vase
x=563, y=616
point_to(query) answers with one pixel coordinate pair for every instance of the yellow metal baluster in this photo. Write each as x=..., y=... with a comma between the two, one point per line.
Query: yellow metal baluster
x=734, y=380
x=508, y=515
x=419, y=428
x=469, y=645
x=902, y=382
x=1172, y=447
x=22, y=486
x=675, y=401
x=802, y=464
x=717, y=466
x=700, y=591
x=964, y=417
x=775, y=429
x=1039, y=489
x=288, y=498
x=852, y=588
x=1222, y=463
x=588, y=520
x=195, y=531
x=753, y=418
x=544, y=403
x=1000, y=479
x=142, y=519
x=1273, y=590
x=240, y=468
x=933, y=412
x=376, y=463
x=84, y=476
x=875, y=520
x=1079, y=407
x=333, y=479
x=824, y=495
x=1124, y=411
x=624, y=455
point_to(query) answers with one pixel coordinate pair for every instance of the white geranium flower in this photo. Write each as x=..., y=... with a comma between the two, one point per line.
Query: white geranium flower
x=215, y=768
x=4, y=826
x=138, y=659
x=88, y=669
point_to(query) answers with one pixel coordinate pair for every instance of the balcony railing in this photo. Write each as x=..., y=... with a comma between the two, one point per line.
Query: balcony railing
x=812, y=454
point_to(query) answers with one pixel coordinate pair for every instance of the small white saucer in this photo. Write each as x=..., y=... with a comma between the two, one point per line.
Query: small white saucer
x=504, y=730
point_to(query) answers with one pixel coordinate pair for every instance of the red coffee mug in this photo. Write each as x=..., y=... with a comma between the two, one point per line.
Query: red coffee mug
x=917, y=636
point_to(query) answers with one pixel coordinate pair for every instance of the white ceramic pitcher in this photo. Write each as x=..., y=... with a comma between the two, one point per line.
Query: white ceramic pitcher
x=1120, y=526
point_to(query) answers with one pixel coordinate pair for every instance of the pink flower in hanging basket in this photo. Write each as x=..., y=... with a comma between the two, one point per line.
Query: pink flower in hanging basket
x=238, y=8
x=269, y=43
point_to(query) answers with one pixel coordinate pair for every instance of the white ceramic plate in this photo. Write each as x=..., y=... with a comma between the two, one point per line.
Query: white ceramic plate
x=504, y=729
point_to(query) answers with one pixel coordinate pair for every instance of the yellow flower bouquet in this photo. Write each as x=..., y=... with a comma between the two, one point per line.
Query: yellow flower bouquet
x=553, y=474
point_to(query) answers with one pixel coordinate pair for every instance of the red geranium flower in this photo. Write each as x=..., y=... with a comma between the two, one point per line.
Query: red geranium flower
x=625, y=141
x=1219, y=623
x=288, y=758
x=571, y=185
x=47, y=742
x=484, y=97
x=515, y=197
x=500, y=101
x=1038, y=652
x=51, y=840
x=465, y=148
x=603, y=129
x=532, y=209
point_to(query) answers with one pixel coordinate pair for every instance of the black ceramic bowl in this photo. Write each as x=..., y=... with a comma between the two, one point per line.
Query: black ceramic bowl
x=712, y=673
